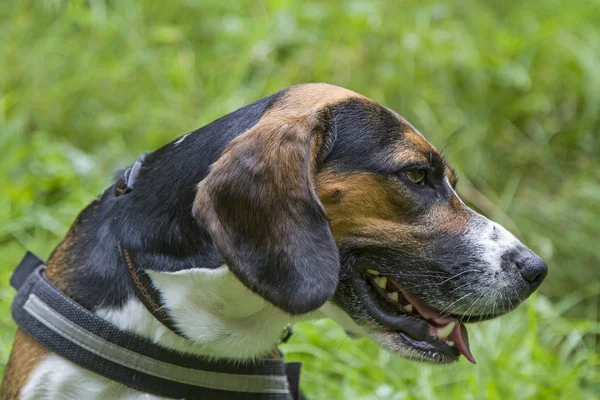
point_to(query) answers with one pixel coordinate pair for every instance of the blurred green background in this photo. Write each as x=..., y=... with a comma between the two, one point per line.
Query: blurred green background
x=510, y=90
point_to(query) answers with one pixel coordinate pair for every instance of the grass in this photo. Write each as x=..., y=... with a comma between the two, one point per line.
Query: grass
x=507, y=89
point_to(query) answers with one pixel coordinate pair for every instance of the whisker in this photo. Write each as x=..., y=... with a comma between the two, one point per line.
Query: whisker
x=517, y=293
x=418, y=286
x=466, y=314
x=434, y=275
x=457, y=275
x=451, y=304
x=460, y=287
x=435, y=284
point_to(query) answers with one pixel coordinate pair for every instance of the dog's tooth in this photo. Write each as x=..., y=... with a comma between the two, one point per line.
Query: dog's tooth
x=381, y=282
x=408, y=307
x=445, y=331
x=393, y=296
x=450, y=343
x=373, y=272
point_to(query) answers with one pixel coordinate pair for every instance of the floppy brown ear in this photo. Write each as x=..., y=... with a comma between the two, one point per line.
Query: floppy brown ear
x=261, y=209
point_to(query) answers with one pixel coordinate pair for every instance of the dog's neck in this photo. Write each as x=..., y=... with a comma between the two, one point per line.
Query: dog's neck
x=222, y=318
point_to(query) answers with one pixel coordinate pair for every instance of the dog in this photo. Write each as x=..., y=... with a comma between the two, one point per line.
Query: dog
x=313, y=202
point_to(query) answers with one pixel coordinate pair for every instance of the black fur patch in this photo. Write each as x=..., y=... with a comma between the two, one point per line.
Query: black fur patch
x=154, y=220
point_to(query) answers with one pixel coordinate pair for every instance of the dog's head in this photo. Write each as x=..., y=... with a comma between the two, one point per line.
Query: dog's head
x=331, y=196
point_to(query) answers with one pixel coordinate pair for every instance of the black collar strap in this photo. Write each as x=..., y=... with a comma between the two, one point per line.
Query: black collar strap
x=148, y=295
x=73, y=332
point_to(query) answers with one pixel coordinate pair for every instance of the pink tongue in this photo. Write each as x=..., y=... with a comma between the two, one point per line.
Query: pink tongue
x=459, y=335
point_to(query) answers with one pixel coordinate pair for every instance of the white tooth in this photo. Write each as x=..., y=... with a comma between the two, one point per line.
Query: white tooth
x=445, y=331
x=393, y=296
x=381, y=282
x=408, y=307
x=450, y=343
x=373, y=272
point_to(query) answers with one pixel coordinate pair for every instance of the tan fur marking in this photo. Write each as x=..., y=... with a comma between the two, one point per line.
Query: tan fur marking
x=26, y=352
x=362, y=205
x=451, y=176
x=451, y=218
x=305, y=100
x=58, y=268
x=373, y=209
x=408, y=155
x=419, y=142
x=413, y=148
x=62, y=263
x=25, y=356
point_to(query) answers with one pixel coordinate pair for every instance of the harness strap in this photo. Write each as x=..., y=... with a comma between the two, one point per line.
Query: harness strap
x=73, y=332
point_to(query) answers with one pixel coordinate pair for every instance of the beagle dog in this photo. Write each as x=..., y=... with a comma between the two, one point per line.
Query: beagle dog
x=313, y=202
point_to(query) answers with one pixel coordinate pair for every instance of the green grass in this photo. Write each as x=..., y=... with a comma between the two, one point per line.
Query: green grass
x=508, y=89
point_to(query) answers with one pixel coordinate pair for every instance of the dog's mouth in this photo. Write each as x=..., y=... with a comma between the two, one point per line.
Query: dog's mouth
x=434, y=336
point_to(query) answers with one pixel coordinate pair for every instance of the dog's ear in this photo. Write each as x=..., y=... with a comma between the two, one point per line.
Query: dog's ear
x=260, y=206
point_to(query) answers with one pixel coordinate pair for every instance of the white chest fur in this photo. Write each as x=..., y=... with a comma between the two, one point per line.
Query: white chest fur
x=222, y=316
x=56, y=378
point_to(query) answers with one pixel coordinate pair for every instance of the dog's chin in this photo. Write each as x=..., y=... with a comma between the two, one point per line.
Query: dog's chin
x=406, y=326
x=434, y=351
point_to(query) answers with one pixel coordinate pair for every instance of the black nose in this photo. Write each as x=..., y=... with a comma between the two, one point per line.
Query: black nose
x=533, y=269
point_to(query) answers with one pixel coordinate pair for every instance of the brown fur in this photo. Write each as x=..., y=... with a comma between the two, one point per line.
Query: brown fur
x=366, y=207
x=26, y=352
x=451, y=176
x=374, y=209
x=26, y=355
x=304, y=101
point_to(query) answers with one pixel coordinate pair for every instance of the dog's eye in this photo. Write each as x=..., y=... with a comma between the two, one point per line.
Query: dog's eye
x=417, y=176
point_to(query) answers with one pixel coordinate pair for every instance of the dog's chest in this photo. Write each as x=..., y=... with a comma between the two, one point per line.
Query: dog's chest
x=224, y=318
x=57, y=378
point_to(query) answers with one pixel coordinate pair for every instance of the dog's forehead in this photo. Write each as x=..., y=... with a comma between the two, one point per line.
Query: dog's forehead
x=305, y=100
x=370, y=136
x=412, y=147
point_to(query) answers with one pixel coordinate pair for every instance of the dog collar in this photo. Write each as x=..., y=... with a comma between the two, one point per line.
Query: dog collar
x=78, y=335
x=148, y=294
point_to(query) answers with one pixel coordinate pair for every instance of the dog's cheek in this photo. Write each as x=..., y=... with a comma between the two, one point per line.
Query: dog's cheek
x=346, y=309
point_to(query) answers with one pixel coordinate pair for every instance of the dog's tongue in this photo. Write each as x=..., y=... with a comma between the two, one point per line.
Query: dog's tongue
x=459, y=334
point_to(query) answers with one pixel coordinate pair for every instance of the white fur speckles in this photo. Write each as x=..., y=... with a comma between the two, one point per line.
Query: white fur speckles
x=57, y=378
x=181, y=139
x=493, y=240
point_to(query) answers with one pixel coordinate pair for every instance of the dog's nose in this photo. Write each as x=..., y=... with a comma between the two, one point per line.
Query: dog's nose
x=532, y=268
